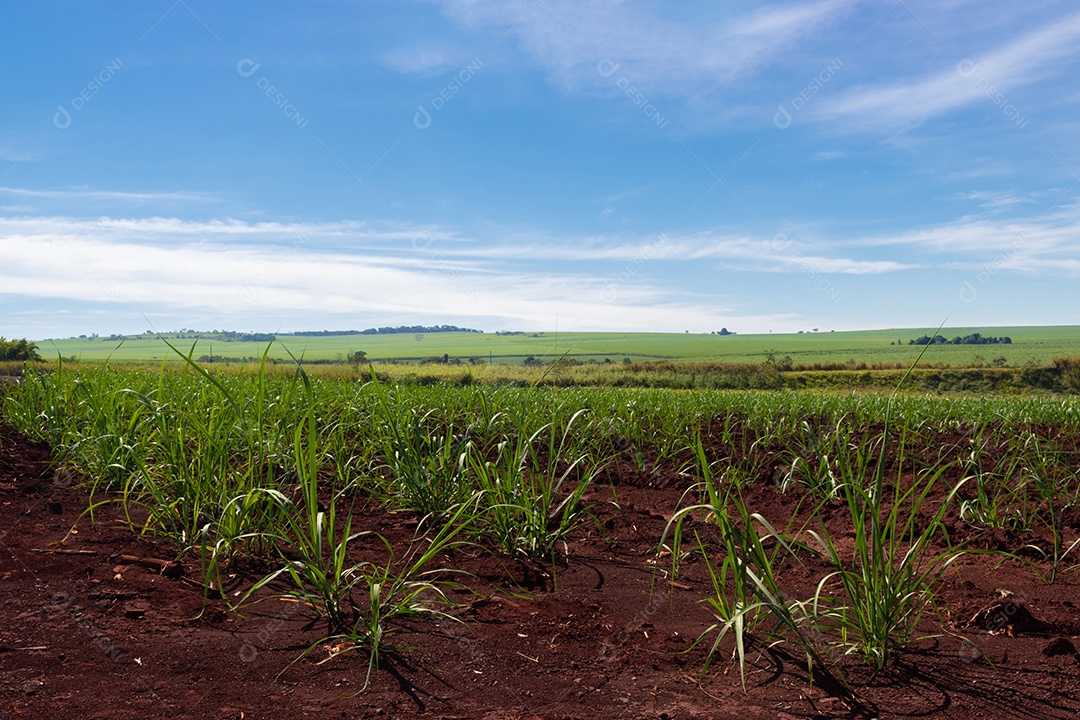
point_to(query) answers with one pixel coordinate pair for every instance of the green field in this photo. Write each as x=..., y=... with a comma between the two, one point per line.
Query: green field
x=1036, y=345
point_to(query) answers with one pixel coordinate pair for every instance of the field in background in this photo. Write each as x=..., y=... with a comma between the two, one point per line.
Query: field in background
x=847, y=529
x=1030, y=345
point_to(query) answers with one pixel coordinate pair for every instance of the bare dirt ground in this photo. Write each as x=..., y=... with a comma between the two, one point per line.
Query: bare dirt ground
x=92, y=628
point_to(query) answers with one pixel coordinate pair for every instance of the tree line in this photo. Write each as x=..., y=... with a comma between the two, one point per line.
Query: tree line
x=235, y=336
x=972, y=339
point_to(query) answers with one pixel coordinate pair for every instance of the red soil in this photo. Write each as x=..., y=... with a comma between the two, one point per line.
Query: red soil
x=88, y=634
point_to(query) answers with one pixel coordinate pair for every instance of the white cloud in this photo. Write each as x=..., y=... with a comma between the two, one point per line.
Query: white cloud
x=168, y=263
x=751, y=253
x=112, y=195
x=1042, y=244
x=668, y=56
x=332, y=273
x=968, y=80
x=171, y=230
x=998, y=200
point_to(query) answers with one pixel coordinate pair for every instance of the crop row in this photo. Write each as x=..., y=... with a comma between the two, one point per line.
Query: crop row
x=227, y=467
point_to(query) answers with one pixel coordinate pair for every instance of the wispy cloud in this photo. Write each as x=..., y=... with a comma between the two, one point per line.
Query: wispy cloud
x=117, y=196
x=965, y=81
x=760, y=254
x=667, y=55
x=998, y=200
x=1038, y=244
x=610, y=202
x=424, y=59
x=171, y=231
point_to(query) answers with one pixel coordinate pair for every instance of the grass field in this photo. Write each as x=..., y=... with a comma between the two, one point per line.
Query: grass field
x=1036, y=345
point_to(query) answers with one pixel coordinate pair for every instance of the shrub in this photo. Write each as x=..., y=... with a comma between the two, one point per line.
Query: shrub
x=18, y=350
x=1068, y=369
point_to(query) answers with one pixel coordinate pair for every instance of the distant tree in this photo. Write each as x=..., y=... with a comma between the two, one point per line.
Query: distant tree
x=356, y=357
x=972, y=339
x=532, y=361
x=21, y=349
x=402, y=329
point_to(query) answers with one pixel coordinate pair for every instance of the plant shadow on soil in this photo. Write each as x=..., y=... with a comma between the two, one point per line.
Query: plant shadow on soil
x=92, y=629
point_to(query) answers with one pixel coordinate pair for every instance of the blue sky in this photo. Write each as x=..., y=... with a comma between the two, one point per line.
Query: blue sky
x=538, y=164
